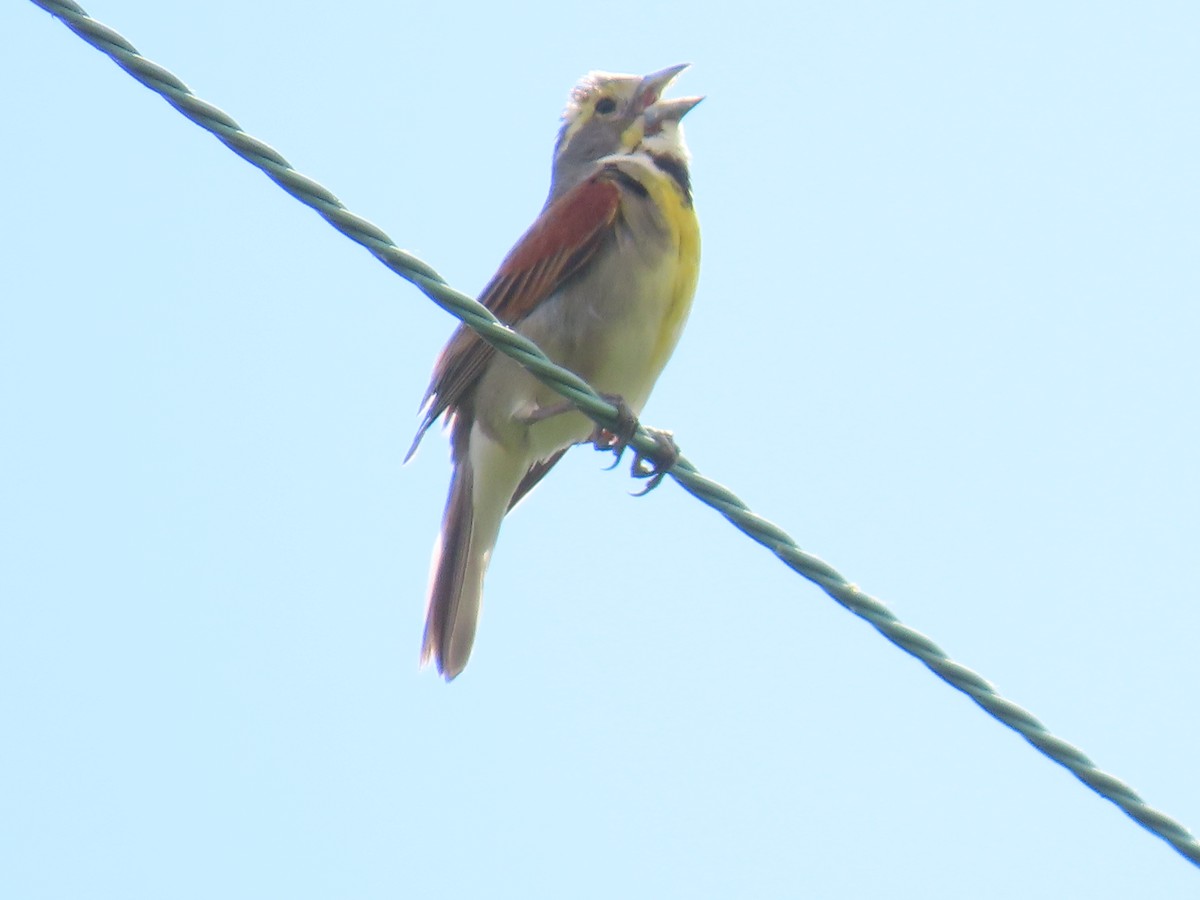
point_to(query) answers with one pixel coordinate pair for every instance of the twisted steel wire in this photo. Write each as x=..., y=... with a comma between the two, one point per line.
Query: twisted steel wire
x=570, y=386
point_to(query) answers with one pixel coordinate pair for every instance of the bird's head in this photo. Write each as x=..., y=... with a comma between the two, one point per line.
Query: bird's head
x=610, y=114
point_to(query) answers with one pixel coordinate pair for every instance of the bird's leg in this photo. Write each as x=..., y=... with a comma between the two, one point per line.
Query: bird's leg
x=652, y=466
x=542, y=413
x=614, y=439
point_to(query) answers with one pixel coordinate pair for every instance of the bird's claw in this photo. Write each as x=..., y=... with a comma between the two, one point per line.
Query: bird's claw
x=617, y=438
x=655, y=465
x=651, y=467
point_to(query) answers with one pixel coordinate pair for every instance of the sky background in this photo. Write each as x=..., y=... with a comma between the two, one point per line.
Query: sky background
x=945, y=334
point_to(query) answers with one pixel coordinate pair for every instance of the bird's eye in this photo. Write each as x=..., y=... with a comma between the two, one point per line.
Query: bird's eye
x=605, y=105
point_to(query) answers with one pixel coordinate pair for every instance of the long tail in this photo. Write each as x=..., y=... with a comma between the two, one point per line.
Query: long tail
x=481, y=489
x=453, y=604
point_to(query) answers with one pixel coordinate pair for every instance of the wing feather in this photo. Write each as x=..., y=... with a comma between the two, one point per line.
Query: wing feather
x=561, y=241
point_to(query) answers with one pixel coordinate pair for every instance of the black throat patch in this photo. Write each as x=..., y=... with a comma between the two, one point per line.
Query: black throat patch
x=678, y=170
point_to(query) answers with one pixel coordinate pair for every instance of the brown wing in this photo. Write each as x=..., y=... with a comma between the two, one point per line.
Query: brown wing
x=557, y=245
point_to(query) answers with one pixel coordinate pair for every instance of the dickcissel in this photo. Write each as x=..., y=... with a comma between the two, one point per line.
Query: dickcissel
x=602, y=282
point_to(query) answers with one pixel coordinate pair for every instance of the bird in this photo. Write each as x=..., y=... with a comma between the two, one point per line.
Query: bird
x=602, y=282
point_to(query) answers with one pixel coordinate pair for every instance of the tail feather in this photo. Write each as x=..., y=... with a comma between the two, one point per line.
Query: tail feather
x=486, y=476
x=453, y=595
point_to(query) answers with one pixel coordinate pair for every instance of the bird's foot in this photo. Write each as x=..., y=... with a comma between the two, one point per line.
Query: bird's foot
x=617, y=438
x=652, y=466
x=655, y=465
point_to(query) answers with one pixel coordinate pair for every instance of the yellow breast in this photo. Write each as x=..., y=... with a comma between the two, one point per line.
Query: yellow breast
x=680, y=215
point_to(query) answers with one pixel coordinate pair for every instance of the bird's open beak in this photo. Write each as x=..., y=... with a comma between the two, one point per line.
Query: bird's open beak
x=668, y=111
x=653, y=85
x=658, y=111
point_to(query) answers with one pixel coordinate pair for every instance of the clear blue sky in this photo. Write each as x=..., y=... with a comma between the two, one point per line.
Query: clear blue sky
x=946, y=334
